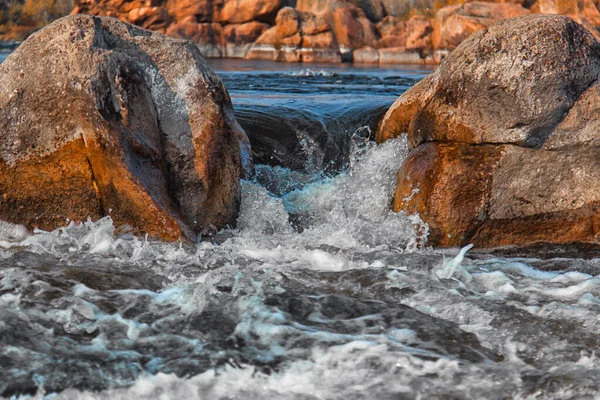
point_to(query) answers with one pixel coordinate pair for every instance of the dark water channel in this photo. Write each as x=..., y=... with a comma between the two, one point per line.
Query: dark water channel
x=304, y=116
x=319, y=293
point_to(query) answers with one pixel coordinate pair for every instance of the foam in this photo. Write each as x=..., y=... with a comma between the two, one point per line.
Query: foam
x=307, y=72
x=351, y=246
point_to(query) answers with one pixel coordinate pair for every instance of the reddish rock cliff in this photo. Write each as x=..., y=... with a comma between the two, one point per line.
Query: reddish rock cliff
x=384, y=31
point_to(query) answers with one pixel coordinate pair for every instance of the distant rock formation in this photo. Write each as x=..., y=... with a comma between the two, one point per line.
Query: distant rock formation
x=369, y=31
x=99, y=117
x=505, y=137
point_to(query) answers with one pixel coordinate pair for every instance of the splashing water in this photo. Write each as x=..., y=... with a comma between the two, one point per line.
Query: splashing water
x=319, y=293
x=310, y=72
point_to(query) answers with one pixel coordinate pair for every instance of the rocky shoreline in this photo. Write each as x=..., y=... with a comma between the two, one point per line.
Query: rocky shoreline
x=503, y=136
x=361, y=31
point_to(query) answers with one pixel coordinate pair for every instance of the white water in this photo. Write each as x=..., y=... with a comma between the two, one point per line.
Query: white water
x=353, y=270
x=311, y=72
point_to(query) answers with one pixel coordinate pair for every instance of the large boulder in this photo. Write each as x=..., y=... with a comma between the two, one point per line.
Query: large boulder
x=147, y=14
x=239, y=37
x=208, y=36
x=352, y=29
x=400, y=42
x=512, y=83
x=181, y=10
x=504, y=137
x=99, y=117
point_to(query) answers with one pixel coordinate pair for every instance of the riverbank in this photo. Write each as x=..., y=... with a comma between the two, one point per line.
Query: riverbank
x=367, y=31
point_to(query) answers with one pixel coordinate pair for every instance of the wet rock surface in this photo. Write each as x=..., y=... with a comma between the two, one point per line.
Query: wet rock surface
x=100, y=117
x=503, y=137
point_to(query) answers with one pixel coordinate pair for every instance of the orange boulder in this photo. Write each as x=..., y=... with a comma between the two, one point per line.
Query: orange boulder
x=499, y=195
x=129, y=123
x=239, y=38
x=414, y=34
x=154, y=18
x=244, y=33
x=504, y=138
x=207, y=36
x=352, y=29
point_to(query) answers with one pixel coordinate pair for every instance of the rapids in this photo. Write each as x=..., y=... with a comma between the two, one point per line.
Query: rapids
x=320, y=292
x=304, y=118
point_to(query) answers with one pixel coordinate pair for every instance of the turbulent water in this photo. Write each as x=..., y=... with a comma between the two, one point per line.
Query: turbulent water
x=319, y=293
x=304, y=118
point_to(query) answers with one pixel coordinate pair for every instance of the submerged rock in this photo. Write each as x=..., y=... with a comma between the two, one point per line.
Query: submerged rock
x=99, y=117
x=504, y=138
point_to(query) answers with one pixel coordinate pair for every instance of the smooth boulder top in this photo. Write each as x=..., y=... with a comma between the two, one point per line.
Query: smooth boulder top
x=511, y=83
x=504, y=138
x=99, y=117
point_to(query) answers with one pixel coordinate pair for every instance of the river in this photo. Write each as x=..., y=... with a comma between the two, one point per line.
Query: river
x=320, y=292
